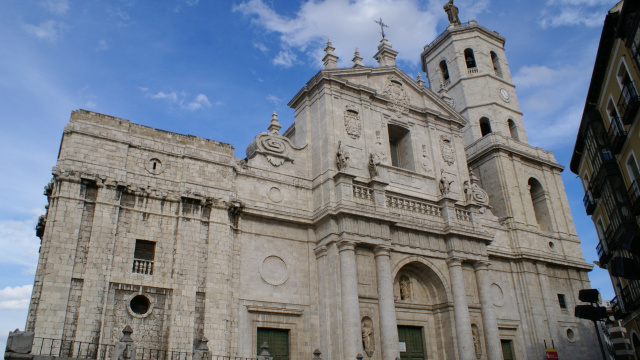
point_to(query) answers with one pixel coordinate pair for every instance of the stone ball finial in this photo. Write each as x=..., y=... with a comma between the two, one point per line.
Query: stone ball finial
x=275, y=125
x=359, y=356
x=316, y=354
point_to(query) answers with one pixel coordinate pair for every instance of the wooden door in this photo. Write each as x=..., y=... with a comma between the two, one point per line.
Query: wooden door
x=412, y=337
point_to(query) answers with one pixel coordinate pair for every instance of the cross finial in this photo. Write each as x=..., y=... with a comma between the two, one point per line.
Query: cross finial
x=382, y=26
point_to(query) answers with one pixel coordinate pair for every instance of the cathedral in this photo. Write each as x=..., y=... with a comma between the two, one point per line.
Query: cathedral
x=391, y=220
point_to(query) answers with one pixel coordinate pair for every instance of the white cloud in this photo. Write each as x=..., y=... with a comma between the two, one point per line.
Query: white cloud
x=260, y=47
x=285, y=58
x=573, y=16
x=539, y=75
x=579, y=2
x=90, y=104
x=199, y=102
x=19, y=243
x=350, y=24
x=274, y=99
x=180, y=98
x=102, y=45
x=58, y=7
x=15, y=298
x=48, y=30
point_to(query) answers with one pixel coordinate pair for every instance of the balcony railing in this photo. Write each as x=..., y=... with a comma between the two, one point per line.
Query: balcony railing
x=604, y=255
x=70, y=349
x=616, y=308
x=142, y=266
x=589, y=202
x=600, y=177
x=472, y=70
x=498, y=73
x=617, y=134
x=634, y=195
x=628, y=103
x=444, y=84
x=630, y=296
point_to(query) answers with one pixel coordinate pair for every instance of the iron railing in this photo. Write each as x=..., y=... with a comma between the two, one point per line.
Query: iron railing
x=628, y=103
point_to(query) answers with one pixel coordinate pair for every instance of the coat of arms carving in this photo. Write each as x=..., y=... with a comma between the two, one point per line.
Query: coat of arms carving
x=398, y=98
x=352, y=123
x=446, y=147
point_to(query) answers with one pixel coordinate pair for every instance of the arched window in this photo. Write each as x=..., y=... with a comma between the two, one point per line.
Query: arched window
x=485, y=126
x=444, y=70
x=496, y=64
x=469, y=59
x=539, y=201
x=513, y=129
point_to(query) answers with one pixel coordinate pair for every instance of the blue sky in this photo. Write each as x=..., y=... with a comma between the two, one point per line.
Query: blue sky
x=218, y=68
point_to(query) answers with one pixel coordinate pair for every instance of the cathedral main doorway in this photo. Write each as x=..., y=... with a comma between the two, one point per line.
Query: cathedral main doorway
x=411, y=337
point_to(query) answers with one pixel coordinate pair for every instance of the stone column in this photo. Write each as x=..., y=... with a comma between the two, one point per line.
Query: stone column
x=461, y=310
x=386, y=304
x=490, y=325
x=352, y=334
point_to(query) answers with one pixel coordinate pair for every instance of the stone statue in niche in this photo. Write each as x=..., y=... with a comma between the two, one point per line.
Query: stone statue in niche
x=342, y=157
x=475, y=332
x=452, y=13
x=367, y=336
x=427, y=166
x=379, y=148
x=445, y=183
x=374, y=161
x=405, y=288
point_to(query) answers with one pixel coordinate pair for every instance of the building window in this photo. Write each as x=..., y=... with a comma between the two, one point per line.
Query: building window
x=444, y=70
x=470, y=59
x=485, y=126
x=277, y=340
x=496, y=64
x=513, y=129
x=143, y=257
x=400, y=147
x=562, y=301
x=539, y=201
x=507, y=349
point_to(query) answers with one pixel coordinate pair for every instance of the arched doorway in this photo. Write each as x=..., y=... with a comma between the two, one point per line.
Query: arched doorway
x=423, y=313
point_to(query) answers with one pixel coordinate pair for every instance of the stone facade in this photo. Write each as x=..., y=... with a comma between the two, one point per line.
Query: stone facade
x=359, y=220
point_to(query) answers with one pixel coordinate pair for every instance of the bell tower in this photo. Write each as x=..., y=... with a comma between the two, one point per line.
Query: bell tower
x=467, y=65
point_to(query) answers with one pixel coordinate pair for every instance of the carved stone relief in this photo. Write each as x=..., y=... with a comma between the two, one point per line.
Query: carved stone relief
x=405, y=288
x=473, y=191
x=274, y=194
x=446, y=147
x=398, y=98
x=272, y=145
x=374, y=161
x=475, y=332
x=367, y=336
x=379, y=147
x=352, y=122
x=445, y=183
x=274, y=270
x=427, y=165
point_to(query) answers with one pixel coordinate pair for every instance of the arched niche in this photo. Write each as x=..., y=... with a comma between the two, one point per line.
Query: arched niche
x=540, y=206
x=417, y=283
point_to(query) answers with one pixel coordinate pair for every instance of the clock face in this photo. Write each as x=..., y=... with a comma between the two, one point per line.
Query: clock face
x=504, y=94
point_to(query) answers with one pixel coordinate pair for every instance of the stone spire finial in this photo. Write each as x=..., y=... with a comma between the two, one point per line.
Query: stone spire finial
x=357, y=60
x=385, y=56
x=126, y=334
x=330, y=60
x=419, y=79
x=275, y=125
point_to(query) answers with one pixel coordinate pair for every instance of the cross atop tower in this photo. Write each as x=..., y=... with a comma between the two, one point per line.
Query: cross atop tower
x=382, y=26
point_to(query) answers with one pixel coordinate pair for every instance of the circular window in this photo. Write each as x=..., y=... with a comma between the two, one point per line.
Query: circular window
x=551, y=245
x=154, y=166
x=140, y=304
x=571, y=336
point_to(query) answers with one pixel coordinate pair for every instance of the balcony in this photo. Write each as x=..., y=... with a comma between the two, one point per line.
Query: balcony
x=622, y=232
x=617, y=134
x=625, y=267
x=601, y=177
x=628, y=103
x=589, y=202
x=142, y=267
x=472, y=70
x=604, y=255
x=630, y=297
x=616, y=308
x=634, y=195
